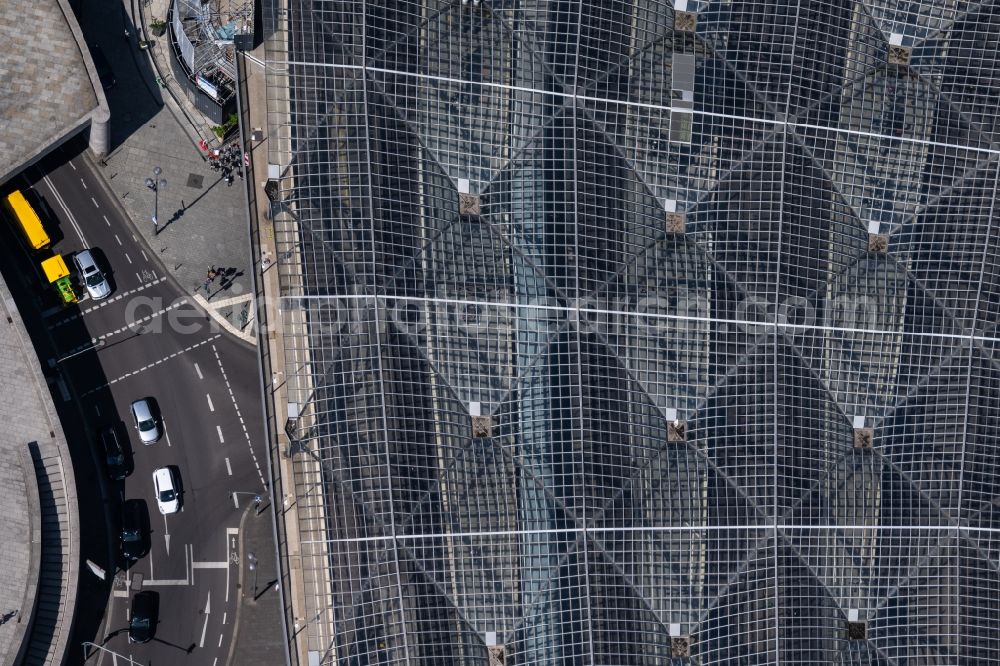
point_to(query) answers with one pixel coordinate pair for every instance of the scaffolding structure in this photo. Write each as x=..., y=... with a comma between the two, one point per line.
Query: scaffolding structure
x=207, y=34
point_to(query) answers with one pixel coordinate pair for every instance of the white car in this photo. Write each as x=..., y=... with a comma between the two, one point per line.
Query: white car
x=145, y=422
x=165, y=488
x=92, y=277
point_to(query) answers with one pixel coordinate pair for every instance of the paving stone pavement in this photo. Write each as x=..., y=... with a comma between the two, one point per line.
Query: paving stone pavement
x=27, y=415
x=258, y=639
x=202, y=221
x=44, y=84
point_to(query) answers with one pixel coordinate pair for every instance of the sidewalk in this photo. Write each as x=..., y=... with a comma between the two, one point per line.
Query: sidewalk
x=202, y=220
x=257, y=638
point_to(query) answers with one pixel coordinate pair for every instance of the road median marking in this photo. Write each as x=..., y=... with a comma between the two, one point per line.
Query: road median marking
x=150, y=365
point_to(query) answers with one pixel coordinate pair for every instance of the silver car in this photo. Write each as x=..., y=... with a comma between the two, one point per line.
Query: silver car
x=97, y=285
x=145, y=421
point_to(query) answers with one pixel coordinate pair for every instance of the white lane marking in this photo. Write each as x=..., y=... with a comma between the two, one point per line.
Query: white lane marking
x=236, y=502
x=130, y=325
x=166, y=433
x=106, y=220
x=62, y=204
x=239, y=415
x=137, y=278
x=224, y=617
x=204, y=627
x=198, y=370
x=104, y=303
x=118, y=239
x=70, y=162
x=84, y=183
x=147, y=367
x=211, y=407
x=231, y=532
x=218, y=429
x=145, y=258
x=128, y=257
x=97, y=409
x=229, y=468
x=209, y=565
x=166, y=534
x=177, y=581
x=94, y=201
x=219, y=645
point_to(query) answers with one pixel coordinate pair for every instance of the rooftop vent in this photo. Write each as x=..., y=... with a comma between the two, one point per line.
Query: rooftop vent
x=863, y=438
x=857, y=631
x=878, y=243
x=497, y=656
x=899, y=55
x=482, y=426
x=685, y=21
x=676, y=223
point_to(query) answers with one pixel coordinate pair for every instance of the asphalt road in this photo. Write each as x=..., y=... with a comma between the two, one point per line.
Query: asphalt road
x=145, y=340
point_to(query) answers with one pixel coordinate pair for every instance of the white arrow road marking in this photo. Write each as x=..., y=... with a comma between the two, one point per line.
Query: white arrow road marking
x=204, y=627
x=166, y=534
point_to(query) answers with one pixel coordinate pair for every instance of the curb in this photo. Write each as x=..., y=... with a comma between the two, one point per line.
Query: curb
x=239, y=588
x=198, y=301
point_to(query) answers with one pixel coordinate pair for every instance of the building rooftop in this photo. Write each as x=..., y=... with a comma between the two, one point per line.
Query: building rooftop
x=46, y=80
x=626, y=332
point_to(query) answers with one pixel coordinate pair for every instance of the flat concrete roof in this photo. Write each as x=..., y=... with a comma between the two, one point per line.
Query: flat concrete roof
x=48, y=85
x=27, y=414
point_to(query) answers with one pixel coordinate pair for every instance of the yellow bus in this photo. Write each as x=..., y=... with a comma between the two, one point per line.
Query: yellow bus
x=28, y=220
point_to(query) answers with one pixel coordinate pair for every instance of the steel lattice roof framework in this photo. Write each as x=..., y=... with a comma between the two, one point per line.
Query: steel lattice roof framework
x=625, y=331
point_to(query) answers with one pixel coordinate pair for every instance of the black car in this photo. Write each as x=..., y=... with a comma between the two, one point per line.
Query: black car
x=115, y=455
x=135, y=523
x=103, y=67
x=142, y=620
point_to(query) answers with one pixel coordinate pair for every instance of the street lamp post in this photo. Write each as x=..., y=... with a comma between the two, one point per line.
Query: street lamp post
x=87, y=653
x=156, y=184
x=252, y=563
x=258, y=498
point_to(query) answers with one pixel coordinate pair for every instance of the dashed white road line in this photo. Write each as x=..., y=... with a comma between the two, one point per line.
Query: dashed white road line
x=218, y=429
x=239, y=415
x=62, y=204
x=128, y=257
x=166, y=433
x=130, y=325
x=144, y=257
x=84, y=183
x=106, y=220
x=94, y=201
x=229, y=468
x=198, y=370
x=70, y=162
x=105, y=303
x=150, y=365
x=211, y=407
x=118, y=239
x=204, y=627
